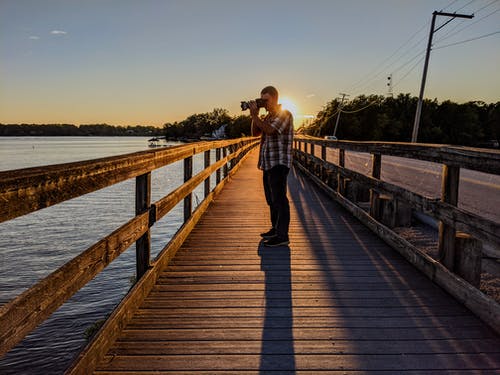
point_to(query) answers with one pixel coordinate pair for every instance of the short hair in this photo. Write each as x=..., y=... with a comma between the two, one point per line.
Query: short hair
x=271, y=90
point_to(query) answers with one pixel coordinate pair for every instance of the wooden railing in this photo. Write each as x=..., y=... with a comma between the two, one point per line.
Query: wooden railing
x=465, y=238
x=28, y=190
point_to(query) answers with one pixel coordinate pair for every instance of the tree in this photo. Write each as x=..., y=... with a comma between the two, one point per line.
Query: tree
x=375, y=118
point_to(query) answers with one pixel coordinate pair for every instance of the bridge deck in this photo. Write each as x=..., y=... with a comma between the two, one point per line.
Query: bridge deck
x=338, y=300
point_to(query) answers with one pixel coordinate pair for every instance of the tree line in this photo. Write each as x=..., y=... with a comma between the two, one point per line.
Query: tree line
x=20, y=130
x=378, y=118
x=371, y=118
x=204, y=125
x=365, y=118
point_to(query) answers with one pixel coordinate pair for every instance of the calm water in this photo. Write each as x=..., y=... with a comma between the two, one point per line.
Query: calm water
x=33, y=246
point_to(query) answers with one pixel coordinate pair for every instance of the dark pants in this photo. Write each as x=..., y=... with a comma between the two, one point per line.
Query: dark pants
x=275, y=190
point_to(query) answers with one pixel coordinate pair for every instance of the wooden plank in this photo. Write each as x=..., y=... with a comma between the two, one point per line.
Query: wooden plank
x=328, y=346
x=299, y=333
x=305, y=372
x=346, y=312
x=284, y=362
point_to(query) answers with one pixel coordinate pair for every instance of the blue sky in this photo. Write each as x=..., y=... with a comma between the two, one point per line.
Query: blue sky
x=150, y=62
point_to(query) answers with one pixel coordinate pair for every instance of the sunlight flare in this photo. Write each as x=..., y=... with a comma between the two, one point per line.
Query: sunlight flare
x=288, y=104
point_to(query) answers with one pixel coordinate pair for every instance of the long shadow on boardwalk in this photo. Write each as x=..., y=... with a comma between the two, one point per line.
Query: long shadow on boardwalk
x=377, y=311
x=277, y=329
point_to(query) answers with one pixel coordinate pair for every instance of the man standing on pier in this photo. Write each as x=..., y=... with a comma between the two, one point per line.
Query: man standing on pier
x=275, y=160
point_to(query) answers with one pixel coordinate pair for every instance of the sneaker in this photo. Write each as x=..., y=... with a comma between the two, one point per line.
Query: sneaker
x=276, y=241
x=269, y=234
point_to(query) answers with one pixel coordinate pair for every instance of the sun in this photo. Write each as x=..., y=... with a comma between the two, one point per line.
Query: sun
x=288, y=104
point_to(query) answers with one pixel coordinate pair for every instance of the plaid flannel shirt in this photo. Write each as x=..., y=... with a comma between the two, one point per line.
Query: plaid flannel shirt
x=276, y=148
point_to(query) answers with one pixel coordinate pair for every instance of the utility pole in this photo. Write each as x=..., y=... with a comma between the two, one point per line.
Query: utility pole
x=426, y=64
x=338, y=113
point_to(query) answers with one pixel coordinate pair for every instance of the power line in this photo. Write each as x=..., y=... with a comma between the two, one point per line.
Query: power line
x=459, y=24
x=468, y=40
x=360, y=109
x=409, y=71
x=468, y=25
x=470, y=2
x=409, y=61
x=486, y=6
x=368, y=80
x=450, y=4
x=381, y=67
x=388, y=66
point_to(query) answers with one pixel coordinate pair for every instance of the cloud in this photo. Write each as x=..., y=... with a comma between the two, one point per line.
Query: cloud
x=34, y=37
x=310, y=96
x=58, y=32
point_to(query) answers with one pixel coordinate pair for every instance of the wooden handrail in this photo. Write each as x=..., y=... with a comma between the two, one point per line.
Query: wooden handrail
x=482, y=160
x=484, y=229
x=487, y=161
x=27, y=190
x=55, y=184
x=458, y=228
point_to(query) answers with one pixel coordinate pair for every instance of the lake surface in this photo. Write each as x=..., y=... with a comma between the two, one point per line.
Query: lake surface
x=34, y=245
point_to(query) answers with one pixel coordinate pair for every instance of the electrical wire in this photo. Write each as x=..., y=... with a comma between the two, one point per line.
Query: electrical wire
x=468, y=40
x=463, y=20
x=417, y=46
x=365, y=82
x=486, y=6
x=360, y=109
x=409, y=61
x=381, y=67
x=470, y=2
x=450, y=4
x=408, y=72
x=468, y=25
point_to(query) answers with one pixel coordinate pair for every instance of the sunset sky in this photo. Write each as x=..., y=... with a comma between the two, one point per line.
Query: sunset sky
x=148, y=62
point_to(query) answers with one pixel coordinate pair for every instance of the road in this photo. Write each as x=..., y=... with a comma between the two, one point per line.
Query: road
x=478, y=192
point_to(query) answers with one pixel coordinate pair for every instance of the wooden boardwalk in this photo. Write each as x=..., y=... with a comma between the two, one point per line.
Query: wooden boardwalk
x=337, y=300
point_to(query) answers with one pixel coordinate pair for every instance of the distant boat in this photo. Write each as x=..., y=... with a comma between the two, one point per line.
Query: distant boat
x=156, y=142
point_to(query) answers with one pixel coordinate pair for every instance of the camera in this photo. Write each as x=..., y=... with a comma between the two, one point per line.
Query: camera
x=261, y=103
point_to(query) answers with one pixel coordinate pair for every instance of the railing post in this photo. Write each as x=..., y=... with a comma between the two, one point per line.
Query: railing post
x=340, y=182
x=323, y=157
x=468, y=254
x=142, y=204
x=449, y=194
x=224, y=154
x=188, y=173
x=376, y=170
x=217, y=158
x=207, y=180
